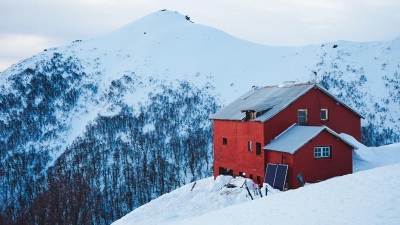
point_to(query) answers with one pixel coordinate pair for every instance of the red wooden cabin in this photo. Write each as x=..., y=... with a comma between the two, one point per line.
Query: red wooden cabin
x=252, y=131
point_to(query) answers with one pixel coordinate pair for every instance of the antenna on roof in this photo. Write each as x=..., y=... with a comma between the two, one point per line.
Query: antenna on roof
x=316, y=76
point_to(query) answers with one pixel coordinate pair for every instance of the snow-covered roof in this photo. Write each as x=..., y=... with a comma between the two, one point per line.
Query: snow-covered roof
x=268, y=101
x=296, y=136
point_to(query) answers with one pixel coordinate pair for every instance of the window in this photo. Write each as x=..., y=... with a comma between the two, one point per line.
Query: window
x=324, y=114
x=225, y=171
x=258, y=148
x=302, y=116
x=249, y=145
x=224, y=141
x=242, y=174
x=322, y=152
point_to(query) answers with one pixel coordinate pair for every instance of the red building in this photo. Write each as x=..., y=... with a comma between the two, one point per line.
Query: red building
x=292, y=124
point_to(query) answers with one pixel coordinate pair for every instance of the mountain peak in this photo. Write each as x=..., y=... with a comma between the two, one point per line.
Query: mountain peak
x=149, y=29
x=164, y=16
x=156, y=22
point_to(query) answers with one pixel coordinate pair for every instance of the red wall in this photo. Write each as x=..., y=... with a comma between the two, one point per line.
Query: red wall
x=313, y=169
x=235, y=154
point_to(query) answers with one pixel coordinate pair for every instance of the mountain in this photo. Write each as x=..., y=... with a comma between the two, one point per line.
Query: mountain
x=96, y=128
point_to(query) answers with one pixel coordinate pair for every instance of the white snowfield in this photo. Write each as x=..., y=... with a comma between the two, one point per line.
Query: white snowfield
x=371, y=195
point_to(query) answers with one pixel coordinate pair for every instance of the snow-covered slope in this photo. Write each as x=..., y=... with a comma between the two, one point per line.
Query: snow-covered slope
x=365, y=197
x=135, y=103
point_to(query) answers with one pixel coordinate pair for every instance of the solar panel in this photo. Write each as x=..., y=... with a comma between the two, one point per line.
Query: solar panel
x=270, y=174
x=280, y=177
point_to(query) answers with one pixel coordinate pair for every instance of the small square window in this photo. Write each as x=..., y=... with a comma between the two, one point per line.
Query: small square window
x=224, y=141
x=324, y=114
x=302, y=116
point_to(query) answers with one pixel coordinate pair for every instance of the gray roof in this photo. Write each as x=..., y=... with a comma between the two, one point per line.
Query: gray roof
x=269, y=100
x=296, y=136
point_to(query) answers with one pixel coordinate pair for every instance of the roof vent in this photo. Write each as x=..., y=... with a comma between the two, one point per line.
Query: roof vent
x=287, y=84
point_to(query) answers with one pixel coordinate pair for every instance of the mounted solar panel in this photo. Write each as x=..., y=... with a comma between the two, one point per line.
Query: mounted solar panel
x=270, y=174
x=280, y=177
x=275, y=175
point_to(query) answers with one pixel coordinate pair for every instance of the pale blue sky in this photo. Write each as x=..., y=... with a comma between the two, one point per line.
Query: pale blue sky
x=29, y=26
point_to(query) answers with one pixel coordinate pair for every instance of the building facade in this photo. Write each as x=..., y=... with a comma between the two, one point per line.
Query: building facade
x=248, y=131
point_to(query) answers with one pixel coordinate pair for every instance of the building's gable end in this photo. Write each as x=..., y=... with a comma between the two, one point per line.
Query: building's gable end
x=340, y=101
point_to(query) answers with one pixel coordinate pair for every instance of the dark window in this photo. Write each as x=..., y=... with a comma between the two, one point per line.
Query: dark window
x=302, y=116
x=258, y=148
x=225, y=171
x=258, y=180
x=322, y=152
x=251, y=176
x=224, y=141
x=324, y=114
x=249, y=145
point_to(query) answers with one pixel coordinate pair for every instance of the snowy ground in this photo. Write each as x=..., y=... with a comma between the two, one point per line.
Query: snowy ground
x=371, y=195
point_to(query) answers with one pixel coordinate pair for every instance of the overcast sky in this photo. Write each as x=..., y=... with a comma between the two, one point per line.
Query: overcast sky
x=29, y=26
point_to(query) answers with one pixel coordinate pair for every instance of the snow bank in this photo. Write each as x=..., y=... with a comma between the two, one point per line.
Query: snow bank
x=207, y=196
x=371, y=157
x=365, y=197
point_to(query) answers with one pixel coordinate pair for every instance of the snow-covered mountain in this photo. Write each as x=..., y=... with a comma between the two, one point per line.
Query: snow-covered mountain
x=123, y=118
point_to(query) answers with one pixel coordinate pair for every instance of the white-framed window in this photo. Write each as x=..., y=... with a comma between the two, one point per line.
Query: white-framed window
x=302, y=116
x=322, y=152
x=324, y=114
x=249, y=145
